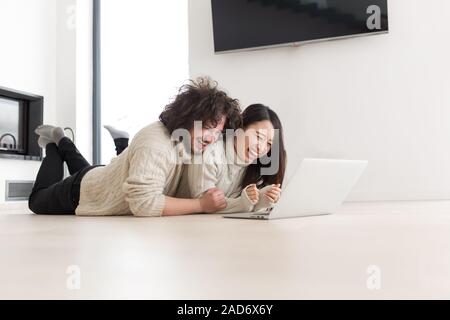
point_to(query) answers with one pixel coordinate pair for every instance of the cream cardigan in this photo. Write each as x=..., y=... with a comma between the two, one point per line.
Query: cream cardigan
x=137, y=181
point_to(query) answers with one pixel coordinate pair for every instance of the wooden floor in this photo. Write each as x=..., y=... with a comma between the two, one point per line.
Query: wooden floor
x=208, y=257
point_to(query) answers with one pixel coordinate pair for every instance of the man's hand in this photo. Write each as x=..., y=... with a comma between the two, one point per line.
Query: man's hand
x=252, y=193
x=212, y=201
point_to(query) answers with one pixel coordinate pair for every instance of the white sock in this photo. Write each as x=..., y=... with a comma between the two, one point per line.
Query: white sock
x=43, y=142
x=57, y=134
x=117, y=134
x=49, y=134
x=45, y=131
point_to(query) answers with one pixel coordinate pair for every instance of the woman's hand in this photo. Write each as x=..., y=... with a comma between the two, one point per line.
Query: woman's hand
x=252, y=193
x=273, y=193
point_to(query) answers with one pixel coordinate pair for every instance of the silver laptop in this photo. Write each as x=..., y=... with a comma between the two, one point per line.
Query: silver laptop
x=316, y=187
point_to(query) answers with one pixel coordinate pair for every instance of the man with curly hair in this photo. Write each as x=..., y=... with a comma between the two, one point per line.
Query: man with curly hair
x=143, y=180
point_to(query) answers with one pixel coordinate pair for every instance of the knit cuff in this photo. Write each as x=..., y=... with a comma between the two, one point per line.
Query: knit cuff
x=263, y=203
x=154, y=209
x=246, y=203
x=160, y=205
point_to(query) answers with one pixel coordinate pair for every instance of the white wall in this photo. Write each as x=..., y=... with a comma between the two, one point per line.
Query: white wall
x=382, y=98
x=65, y=87
x=83, y=80
x=37, y=55
x=27, y=63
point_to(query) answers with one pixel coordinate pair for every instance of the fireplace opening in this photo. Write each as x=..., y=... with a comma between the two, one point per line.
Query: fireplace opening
x=20, y=114
x=11, y=125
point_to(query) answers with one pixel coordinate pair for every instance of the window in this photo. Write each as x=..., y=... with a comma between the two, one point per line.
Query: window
x=144, y=59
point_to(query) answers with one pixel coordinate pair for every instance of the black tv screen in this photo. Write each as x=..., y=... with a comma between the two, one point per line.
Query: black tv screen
x=252, y=24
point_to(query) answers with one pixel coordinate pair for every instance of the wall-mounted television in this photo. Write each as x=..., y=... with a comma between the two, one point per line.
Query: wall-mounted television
x=256, y=24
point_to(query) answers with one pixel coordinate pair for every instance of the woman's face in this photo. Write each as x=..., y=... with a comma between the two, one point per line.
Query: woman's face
x=255, y=141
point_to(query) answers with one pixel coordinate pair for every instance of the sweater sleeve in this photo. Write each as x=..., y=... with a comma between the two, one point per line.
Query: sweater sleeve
x=239, y=204
x=148, y=173
x=263, y=203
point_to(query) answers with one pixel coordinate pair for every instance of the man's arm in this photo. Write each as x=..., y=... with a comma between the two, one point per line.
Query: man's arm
x=148, y=173
x=212, y=201
x=176, y=207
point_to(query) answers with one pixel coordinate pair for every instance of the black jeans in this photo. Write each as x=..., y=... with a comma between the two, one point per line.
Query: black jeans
x=51, y=193
x=121, y=144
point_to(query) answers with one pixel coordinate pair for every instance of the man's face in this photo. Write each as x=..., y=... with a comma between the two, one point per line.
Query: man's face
x=202, y=135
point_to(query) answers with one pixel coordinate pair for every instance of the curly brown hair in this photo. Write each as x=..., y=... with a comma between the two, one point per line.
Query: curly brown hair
x=201, y=100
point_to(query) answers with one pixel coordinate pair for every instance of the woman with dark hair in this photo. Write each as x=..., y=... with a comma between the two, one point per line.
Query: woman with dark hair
x=249, y=168
x=143, y=180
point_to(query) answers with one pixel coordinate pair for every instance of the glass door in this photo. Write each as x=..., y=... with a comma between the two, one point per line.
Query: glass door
x=144, y=59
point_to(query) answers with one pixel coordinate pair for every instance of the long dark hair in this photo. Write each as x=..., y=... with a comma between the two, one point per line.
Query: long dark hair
x=201, y=100
x=255, y=113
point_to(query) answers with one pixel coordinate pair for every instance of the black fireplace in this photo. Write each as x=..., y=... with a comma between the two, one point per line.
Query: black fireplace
x=20, y=114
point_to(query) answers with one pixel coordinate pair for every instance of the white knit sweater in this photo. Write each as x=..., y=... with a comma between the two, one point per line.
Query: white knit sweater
x=220, y=168
x=137, y=181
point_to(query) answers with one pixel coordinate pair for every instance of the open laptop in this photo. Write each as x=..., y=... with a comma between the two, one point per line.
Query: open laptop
x=316, y=187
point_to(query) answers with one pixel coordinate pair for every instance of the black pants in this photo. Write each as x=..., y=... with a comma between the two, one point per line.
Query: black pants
x=51, y=193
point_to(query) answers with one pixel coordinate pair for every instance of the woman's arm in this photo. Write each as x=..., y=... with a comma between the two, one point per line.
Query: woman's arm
x=239, y=204
x=268, y=197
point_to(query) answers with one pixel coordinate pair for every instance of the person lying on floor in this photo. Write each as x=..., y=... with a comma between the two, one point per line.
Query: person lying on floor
x=248, y=167
x=234, y=164
x=144, y=179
